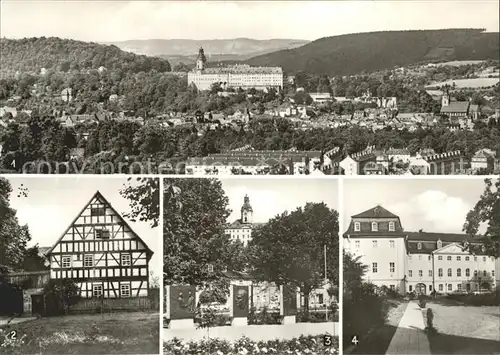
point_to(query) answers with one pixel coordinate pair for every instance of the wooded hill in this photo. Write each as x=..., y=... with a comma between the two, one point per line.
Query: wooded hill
x=33, y=54
x=354, y=53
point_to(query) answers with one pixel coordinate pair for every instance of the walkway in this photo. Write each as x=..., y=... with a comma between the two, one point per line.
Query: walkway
x=255, y=332
x=410, y=337
x=4, y=320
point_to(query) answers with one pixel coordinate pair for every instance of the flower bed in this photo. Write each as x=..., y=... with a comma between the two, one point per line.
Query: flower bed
x=244, y=346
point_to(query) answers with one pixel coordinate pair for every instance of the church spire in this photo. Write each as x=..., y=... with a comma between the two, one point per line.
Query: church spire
x=246, y=210
x=201, y=60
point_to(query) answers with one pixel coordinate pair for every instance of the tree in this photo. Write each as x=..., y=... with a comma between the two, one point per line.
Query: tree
x=487, y=210
x=33, y=261
x=289, y=249
x=194, y=215
x=144, y=200
x=63, y=293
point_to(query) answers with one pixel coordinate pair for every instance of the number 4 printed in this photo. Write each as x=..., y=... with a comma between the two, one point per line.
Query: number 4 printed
x=355, y=340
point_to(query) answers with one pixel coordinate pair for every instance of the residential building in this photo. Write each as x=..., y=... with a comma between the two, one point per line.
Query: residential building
x=236, y=76
x=321, y=97
x=101, y=254
x=418, y=262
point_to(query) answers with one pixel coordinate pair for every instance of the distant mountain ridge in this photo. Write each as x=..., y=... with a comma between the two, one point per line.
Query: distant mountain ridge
x=354, y=53
x=186, y=50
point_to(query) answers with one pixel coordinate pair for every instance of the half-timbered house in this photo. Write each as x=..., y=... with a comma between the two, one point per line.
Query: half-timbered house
x=102, y=254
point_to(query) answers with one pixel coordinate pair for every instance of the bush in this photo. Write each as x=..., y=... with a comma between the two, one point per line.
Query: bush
x=422, y=301
x=487, y=299
x=388, y=292
x=363, y=310
x=60, y=295
x=303, y=344
x=263, y=317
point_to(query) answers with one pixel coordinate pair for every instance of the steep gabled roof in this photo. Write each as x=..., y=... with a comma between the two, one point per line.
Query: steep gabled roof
x=99, y=195
x=376, y=212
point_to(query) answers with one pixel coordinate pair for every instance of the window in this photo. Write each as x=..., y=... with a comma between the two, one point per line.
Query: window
x=374, y=268
x=101, y=233
x=459, y=272
x=420, y=273
x=357, y=226
x=449, y=287
x=475, y=258
x=459, y=287
x=439, y=244
x=429, y=257
x=430, y=287
x=484, y=258
x=66, y=261
x=467, y=258
x=409, y=257
x=375, y=243
x=391, y=227
x=419, y=246
x=97, y=290
x=441, y=287
x=448, y=258
x=374, y=227
x=392, y=287
x=320, y=298
x=440, y=257
x=210, y=268
x=467, y=272
x=449, y=272
x=98, y=211
x=125, y=290
x=458, y=258
x=484, y=273
x=410, y=288
x=392, y=267
x=492, y=273
x=410, y=273
x=357, y=243
x=475, y=272
x=440, y=272
x=391, y=243
x=420, y=257
x=88, y=260
x=430, y=273
x=126, y=260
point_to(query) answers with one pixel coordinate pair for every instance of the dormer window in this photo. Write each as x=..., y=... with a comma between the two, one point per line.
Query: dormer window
x=357, y=226
x=419, y=246
x=391, y=227
x=374, y=227
x=439, y=244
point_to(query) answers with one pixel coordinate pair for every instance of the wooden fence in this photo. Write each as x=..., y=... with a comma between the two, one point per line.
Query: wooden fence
x=106, y=305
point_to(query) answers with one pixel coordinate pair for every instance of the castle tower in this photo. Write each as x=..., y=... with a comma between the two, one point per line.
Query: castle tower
x=201, y=60
x=246, y=211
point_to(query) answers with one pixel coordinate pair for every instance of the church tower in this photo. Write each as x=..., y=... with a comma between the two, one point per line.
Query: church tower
x=445, y=100
x=246, y=211
x=201, y=60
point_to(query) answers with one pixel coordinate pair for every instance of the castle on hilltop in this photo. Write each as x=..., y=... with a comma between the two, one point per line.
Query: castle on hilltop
x=236, y=76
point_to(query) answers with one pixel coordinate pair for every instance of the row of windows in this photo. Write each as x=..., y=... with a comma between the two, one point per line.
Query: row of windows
x=89, y=260
x=357, y=227
x=97, y=290
x=459, y=258
x=392, y=267
x=357, y=244
x=459, y=273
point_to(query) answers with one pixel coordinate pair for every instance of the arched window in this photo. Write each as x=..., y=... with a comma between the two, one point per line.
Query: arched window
x=357, y=226
x=374, y=227
x=391, y=227
x=449, y=273
x=419, y=246
x=439, y=244
x=467, y=272
x=440, y=272
x=459, y=272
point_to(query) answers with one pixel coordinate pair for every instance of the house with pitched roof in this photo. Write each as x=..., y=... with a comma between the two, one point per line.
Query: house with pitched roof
x=418, y=262
x=101, y=254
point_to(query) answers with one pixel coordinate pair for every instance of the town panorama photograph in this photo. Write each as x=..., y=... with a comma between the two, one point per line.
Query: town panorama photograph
x=289, y=88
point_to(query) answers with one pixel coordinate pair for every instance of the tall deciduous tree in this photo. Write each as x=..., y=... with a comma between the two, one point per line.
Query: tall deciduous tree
x=487, y=210
x=144, y=200
x=194, y=215
x=289, y=249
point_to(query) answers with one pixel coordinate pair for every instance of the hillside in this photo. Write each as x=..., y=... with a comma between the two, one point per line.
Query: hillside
x=241, y=48
x=33, y=54
x=353, y=53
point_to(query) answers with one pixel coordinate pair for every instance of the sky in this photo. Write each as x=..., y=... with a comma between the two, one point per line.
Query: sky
x=52, y=203
x=433, y=205
x=103, y=21
x=270, y=197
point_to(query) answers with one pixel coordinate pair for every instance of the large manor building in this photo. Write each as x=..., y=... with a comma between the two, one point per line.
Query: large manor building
x=418, y=262
x=236, y=76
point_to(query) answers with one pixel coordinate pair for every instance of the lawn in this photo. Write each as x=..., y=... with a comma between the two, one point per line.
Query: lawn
x=465, y=329
x=379, y=338
x=468, y=83
x=119, y=333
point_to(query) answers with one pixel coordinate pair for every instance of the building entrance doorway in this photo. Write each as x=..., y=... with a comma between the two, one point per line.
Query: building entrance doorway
x=420, y=289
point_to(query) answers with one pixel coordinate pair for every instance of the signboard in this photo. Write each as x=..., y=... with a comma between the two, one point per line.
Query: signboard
x=289, y=299
x=240, y=301
x=182, y=302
